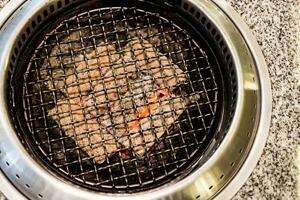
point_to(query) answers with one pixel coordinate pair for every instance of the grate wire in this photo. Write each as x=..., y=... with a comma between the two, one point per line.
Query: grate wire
x=71, y=44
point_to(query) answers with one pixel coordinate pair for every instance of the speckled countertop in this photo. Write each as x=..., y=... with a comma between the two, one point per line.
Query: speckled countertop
x=276, y=25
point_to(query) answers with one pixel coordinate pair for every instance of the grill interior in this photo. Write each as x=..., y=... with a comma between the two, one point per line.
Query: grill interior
x=144, y=148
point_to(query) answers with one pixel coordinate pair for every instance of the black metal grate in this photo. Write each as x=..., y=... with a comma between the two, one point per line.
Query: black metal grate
x=88, y=99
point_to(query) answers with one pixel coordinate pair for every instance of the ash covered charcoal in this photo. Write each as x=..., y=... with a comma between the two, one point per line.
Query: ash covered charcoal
x=84, y=129
x=121, y=100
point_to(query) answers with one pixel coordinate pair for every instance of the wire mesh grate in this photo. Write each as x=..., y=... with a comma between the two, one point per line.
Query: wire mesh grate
x=119, y=98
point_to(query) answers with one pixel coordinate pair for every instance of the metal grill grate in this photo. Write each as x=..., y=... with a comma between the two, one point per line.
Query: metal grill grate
x=119, y=98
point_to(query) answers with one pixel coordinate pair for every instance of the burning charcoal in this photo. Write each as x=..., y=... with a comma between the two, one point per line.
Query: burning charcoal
x=121, y=101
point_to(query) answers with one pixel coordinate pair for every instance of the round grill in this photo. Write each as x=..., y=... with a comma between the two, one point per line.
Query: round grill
x=122, y=98
x=146, y=99
x=88, y=98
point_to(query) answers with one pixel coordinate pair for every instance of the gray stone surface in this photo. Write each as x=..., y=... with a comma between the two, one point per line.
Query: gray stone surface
x=276, y=25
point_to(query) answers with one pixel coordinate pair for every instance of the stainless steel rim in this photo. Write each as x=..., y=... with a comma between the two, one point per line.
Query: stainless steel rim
x=196, y=183
x=266, y=102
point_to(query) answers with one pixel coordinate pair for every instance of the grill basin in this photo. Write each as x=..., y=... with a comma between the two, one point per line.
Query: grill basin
x=194, y=156
x=93, y=62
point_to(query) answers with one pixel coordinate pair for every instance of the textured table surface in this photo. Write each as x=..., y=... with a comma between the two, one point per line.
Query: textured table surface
x=276, y=25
